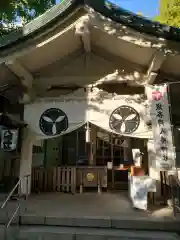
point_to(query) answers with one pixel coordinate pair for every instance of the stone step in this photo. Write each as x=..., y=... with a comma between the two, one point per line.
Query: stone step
x=72, y=233
x=10, y=234
x=132, y=223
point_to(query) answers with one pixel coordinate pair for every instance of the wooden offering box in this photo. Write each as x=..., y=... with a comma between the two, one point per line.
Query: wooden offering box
x=91, y=177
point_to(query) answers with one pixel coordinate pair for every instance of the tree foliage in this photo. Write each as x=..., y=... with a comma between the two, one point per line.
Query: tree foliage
x=14, y=13
x=169, y=12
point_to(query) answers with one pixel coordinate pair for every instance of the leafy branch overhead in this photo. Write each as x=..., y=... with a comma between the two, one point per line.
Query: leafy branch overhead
x=169, y=12
x=14, y=13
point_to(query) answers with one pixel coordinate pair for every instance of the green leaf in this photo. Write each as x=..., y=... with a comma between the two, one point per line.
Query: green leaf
x=169, y=12
x=12, y=11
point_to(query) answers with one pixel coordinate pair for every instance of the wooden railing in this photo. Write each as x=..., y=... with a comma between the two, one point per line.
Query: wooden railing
x=68, y=178
x=55, y=179
x=65, y=179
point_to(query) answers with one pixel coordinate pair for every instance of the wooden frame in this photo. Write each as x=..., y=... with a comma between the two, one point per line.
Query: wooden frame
x=55, y=179
x=68, y=179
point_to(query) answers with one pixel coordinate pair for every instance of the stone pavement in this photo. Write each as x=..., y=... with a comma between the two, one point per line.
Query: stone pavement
x=108, y=216
x=109, y=210
x=89, y=204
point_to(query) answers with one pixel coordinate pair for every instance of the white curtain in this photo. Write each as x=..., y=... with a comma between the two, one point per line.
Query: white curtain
x=82, y=109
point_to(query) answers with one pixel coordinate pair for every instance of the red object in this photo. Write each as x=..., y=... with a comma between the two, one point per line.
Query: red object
x=137, y=171
x=157, y=95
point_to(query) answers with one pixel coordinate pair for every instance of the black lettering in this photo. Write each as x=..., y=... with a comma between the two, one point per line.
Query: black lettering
x=163, y=140
x=7, y=141
x=163, y=131
x=160, y=122
x=160, y=114
x=165, y=157
x=164, y=149
x=159, y=107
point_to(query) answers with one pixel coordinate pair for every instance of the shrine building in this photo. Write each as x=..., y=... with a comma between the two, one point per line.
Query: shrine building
x=77, y=90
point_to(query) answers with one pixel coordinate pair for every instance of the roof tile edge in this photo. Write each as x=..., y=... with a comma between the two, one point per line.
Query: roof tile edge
x=105, y=8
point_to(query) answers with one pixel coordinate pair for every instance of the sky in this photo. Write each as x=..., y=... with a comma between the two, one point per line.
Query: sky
x=149, y=8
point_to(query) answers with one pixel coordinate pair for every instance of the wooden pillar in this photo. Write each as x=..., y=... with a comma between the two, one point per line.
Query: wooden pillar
x=26, y=162
x=112, y=160
x=77, y=146
x=92, y=156
x=145, y=158
x=128, y=151
x=45, y=153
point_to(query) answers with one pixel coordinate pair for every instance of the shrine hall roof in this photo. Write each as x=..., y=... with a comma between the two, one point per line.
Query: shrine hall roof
x=105, y=8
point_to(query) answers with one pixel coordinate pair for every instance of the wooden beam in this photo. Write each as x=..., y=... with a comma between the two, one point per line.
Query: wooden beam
x=156, y=62
x=114, y=77
x=25, y=77
x=82, y=30
x=21, y=72
x=154, y=66
x=151, y=77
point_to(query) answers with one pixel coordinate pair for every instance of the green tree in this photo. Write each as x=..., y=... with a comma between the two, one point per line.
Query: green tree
x=169, y=12
x=21, y=12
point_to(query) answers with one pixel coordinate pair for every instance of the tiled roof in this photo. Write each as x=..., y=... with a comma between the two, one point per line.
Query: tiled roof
x=105, y=8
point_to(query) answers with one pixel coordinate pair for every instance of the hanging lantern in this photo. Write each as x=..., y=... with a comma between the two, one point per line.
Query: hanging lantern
x=88, y=137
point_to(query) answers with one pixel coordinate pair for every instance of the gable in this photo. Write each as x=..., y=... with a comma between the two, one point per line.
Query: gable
x=84, y=69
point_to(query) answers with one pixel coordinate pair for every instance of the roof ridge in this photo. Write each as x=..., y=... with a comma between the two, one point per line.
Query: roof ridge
x=104, y=7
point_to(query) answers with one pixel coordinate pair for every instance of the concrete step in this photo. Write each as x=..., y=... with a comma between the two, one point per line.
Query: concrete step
x=10, y=234
x=131, y=223
x=72, y=233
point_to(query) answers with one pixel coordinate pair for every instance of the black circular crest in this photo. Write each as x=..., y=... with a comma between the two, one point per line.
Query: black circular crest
x=124, y=119
x=53, y=121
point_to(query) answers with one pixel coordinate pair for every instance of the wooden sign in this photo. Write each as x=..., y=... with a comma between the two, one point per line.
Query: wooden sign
x=9, y=138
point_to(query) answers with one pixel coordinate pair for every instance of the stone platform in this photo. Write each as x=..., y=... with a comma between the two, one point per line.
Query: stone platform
x=108, y=210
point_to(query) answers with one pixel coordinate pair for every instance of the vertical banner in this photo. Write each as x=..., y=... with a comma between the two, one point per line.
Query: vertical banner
x=9, y=138
x=161, y=126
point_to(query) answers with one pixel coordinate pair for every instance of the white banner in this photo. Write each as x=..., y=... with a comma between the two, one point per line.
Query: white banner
x=161, y=126
x=9, y=139
x=113, y=114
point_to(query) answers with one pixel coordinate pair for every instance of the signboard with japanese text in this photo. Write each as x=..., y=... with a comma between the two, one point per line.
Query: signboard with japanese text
x=161, y=126
x=9, y=138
